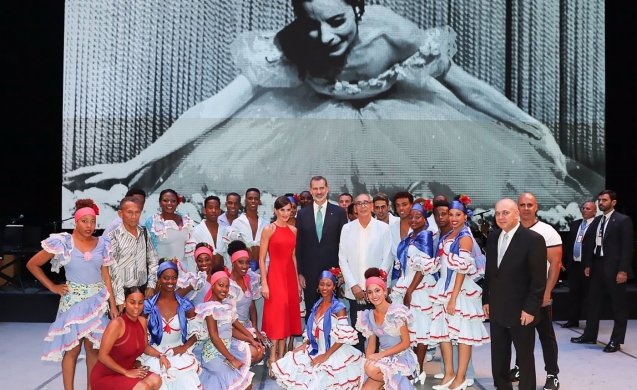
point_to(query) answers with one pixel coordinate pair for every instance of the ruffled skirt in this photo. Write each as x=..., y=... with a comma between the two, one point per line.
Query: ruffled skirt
x=219, y=374
x=397, y=368
x=343, y=139
x=81, y=314
x=183, y=372
x=466, y=326
x=421, y=306
x=343, y=370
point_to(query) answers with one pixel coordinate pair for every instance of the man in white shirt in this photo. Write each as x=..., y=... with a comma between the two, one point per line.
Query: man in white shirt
x=209, y=230
x=364, y=243
x=249, y=225
x=527, y=204
x=381, y=209
x=233, y=205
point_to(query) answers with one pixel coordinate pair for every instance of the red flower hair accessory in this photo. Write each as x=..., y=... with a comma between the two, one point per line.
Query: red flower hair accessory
x=464, y=199
x=96, y=209
x=428, y=205
x=383, y=275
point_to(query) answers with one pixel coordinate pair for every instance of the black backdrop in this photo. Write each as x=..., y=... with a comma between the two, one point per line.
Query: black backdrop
x=31, y=146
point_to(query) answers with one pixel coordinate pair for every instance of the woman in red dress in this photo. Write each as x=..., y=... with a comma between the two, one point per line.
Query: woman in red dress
x=279, y=281
x=123, y=342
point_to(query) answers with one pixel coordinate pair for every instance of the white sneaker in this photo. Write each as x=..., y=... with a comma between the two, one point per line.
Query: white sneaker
x=469, y=382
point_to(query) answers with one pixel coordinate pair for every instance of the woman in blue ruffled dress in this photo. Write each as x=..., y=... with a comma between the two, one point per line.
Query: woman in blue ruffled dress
x=394, y=366
x=326, y=359
x=457, y=314
x=347, y=82
x=417, y=268
x=168, y=317
x=86, y=296
x=226, y=359
x=170, y=231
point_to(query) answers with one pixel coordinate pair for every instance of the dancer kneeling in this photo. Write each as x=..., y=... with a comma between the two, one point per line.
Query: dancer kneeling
x=226, y=359
x=326, y=359
x=387, y=324
x=168, y=316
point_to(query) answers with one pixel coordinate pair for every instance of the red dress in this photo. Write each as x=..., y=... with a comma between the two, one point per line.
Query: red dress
x=281, y=313
x=125, y=351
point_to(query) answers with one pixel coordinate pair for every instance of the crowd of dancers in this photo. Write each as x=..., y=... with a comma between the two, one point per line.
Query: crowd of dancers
x=175, y=305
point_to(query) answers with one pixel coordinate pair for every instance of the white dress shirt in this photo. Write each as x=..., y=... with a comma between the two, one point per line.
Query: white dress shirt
x=361, y=248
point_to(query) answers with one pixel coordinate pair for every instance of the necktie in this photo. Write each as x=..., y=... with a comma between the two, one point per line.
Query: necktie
x=577, y=250
x=319, y=223
x=502, y=248
x=600, y=237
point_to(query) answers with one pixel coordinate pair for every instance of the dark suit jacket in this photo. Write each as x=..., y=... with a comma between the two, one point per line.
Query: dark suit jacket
x=519, y=283
x=617, y=244
x=569, y=242
x=313, y=256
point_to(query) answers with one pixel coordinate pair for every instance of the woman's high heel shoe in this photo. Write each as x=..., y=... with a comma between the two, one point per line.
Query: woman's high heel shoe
x=443, y=386
x=463, y=386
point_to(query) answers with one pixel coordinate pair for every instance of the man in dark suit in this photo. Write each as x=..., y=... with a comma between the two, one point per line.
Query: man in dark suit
x=577, y=283
x=318, y=233
x=513, y=287
x=607, y=255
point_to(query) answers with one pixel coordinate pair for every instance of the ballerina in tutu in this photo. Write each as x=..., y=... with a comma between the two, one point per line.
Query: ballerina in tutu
x=394, y=365
x=348, y=82
x=417, y=268
x=225, y=359
x=168, y=316
x=245, y=288
x=326, y=359
x=86, y=296
x=458, y=316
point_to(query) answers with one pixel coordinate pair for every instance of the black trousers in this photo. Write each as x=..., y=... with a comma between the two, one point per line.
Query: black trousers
x=546, y=334
x=523, y=339
x=577, y=291
x=354, y=308
x=600, y=285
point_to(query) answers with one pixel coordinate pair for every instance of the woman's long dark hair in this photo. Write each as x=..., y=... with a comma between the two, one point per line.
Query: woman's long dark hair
x=309, y=55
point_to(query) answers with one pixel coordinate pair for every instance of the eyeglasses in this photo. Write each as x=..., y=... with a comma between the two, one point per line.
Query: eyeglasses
x=363, y=203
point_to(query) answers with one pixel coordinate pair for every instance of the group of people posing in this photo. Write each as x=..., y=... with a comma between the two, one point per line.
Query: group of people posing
x=176, y=305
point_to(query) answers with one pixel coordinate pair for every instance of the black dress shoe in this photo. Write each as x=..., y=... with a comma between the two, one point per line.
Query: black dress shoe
x=612, y=346
x=581, y=340
x=570, y=324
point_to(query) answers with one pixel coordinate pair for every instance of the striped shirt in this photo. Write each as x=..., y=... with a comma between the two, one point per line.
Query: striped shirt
x=134, y=262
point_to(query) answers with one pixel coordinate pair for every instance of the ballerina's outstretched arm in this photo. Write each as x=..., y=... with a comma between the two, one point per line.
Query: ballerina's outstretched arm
x=193, y=123
x=485, y=98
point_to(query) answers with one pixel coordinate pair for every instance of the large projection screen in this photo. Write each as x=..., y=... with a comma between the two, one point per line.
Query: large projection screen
x=484, y=97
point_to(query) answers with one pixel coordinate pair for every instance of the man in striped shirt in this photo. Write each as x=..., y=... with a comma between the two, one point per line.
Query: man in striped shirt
x=135, y=260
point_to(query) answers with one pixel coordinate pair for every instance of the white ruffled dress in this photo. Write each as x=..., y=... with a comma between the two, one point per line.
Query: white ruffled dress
x=184, y=369
x=395, y=368
x=466, y=326
x=343, y=370
x=217, y=372
x=82, y=311
x=421, y=304
x=171, y=241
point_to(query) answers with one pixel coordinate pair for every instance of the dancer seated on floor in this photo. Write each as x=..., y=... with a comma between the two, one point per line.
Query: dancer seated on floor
x=326, y=359
x=245, y=288
x=123, y=342
x=394, y=365
x=225, y=359
x=168, y=316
